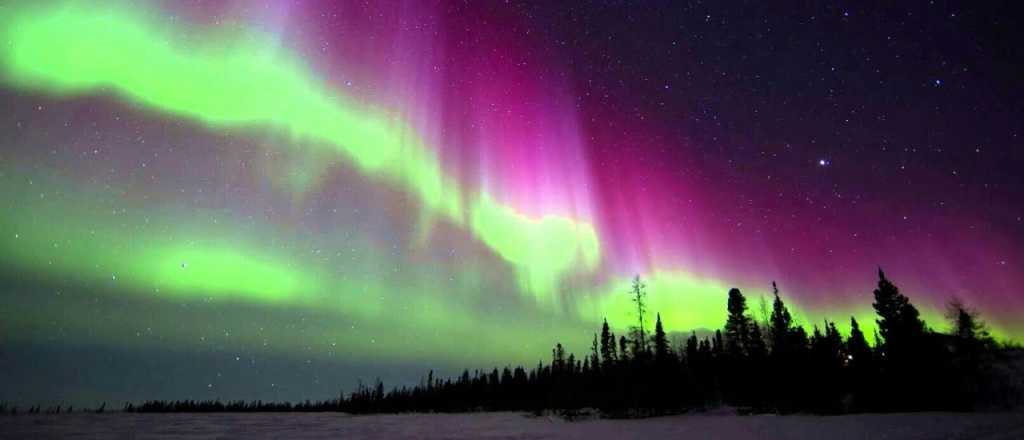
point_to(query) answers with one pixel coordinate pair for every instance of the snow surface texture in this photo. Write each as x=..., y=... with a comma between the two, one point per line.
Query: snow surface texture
x=511, y=426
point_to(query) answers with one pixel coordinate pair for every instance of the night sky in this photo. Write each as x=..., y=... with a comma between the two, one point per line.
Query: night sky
x=275, y=199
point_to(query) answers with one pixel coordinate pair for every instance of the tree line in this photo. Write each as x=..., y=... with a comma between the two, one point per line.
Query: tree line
x=772, y=365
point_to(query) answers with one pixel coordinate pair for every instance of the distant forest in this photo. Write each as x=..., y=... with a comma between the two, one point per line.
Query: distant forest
x=757, y=367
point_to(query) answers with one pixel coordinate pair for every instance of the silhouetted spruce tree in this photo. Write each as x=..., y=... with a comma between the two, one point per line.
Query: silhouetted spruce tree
x=909, y=355
x=615, y=351
x=737, y=325
x=638, y=294
x=970, y=363
x=717, y=345
x=857, y=347
x=834, y=342
x=607, y=347
x=665, y=383
x=593, y=378
x=735, y=386
x=969, y=333
x=757, y=357
x=691, y=348
x=610, y=380
x=662, y=351
x=716, y=370
x=781, y=324
x=784, y=357
x=860, y=370
x=898, y=321
x=557, y=359
x=608, y=352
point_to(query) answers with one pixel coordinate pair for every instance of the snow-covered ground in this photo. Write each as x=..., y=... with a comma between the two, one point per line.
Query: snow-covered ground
x=512, y=426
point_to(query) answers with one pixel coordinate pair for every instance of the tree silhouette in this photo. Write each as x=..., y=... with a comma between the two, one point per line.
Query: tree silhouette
x=661, y=348
x=914, y=369
x=787, y=389
x=899, y=321
x=638, y=294
x=737, y=326
x=967, y=328
x=911, y=357
x=971, y=358
x=857, y=347
x=608, y=352
x=594, y=361
x=781, y=323
x=861, y=370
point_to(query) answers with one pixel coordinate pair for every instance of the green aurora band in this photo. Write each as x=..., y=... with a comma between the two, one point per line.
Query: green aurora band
x=210, y=267
x=75, y=50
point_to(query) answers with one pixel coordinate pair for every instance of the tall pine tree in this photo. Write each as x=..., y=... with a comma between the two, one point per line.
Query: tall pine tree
x=857, y=349
x=661, y=348
x=737, y=326
x=781, y=324
x=899, y=320
x=638, y=294
x=608, y=352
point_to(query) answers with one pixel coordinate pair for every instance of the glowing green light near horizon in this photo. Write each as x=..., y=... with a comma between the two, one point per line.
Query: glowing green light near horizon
x=74, y=238
x=225, y=276
x=74, y=49
x=545, y=247
x=684, y=301
x=688, y=302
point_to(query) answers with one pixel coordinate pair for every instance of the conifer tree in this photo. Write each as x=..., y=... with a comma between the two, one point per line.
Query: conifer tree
x=616, y=356
x=737, y=326
x=967, y=329
x=717, y=346
x=661, y=348
x=899, y=321
x=558, y=359
x=638, y=294
x=860, y=361
x=834, y=340
x=970, y=362
x=859, y=353
x=608, y=354
x=781, y=324
x=691, y=348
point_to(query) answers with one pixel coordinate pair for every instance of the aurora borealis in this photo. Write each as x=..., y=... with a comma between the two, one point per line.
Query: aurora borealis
x=274, y=199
